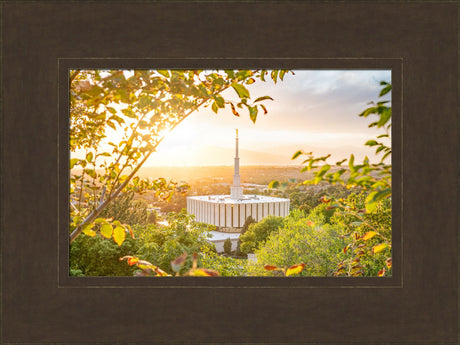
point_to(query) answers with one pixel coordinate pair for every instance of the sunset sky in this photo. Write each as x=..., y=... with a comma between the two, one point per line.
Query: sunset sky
x=312, y=111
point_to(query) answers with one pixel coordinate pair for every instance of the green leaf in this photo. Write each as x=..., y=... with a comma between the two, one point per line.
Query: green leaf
x=374, y=197
x=323, y=170
x=253, y=113
x=144, y=101
x=351, y=162
x=214, y=107
x=91, y=172
x=297, y=154
x=112, y=110
x=164, y=73
x=274, y=75
x=128, y=112
x=241, y=90
x=119, y=235
x=89, y=157
x=371, y=143
x=281, y=74
x=263, y=98
x=73, y=161
x=219, y=101
x=385, y=90
x=385, y=116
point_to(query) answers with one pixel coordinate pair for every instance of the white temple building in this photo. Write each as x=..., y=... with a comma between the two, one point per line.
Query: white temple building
x=229, y=212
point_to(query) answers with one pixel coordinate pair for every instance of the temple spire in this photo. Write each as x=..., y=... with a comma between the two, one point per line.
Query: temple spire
x=236, y=189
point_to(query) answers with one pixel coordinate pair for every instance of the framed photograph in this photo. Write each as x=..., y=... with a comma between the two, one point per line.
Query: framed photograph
x=173, y=169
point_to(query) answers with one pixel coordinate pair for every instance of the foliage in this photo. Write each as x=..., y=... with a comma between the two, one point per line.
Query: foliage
x=286, y=271
x=128, y=211
x=249, y=220
x=226, y=266
x=307, y=199
x=368, y=236
x=147, y=268
x=300, y=240
x=257, y=233
x=98, y=256
x=143, y=105
x=228, y=246
x=162, y=244
x=375, y=178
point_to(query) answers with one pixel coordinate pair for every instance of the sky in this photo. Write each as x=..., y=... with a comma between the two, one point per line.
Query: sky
x=313, y=110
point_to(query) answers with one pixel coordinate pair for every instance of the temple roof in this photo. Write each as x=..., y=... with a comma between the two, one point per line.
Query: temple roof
x=226, y=199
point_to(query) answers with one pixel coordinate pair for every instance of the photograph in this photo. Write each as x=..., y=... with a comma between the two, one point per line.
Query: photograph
x=231, y=173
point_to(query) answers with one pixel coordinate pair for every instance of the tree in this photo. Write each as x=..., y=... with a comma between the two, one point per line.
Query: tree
x=143, y=105
x=249, y=220
x=257, y=233
x=228, y=246
x=300, y=240
x=369, y=243
x=160, y=244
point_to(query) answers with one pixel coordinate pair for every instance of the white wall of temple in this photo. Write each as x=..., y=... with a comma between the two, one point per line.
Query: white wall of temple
x=233, y=215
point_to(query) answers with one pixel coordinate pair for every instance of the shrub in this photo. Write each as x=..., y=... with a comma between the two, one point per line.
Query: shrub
x=300, y=240
x=161, y=244
x=228, y=246
x=98, y=256
x=257, y=233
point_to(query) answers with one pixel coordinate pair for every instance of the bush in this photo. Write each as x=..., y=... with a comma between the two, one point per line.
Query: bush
x=257, y=233
x=98, y=256
x=226, y=266
x=161, y=244
x=228, y=246
x=300, y=240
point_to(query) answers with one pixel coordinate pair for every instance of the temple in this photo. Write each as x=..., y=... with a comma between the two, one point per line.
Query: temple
x=229, y=212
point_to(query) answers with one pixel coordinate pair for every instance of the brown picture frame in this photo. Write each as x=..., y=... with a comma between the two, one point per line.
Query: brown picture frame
x=42, y=40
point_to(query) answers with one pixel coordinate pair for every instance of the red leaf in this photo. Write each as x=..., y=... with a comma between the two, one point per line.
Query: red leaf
x=270, y=267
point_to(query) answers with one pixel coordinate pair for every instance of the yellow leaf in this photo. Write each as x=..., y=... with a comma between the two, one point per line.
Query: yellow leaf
x=133, y=261
x=368, y=235
x=203, y=272
x=87, y=230
x=161, y=273
x=106, y=230
x=295, y=269
x=379, y=248
x=119, y=235
x=145, y=265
